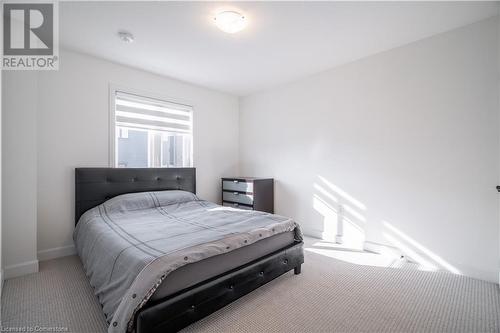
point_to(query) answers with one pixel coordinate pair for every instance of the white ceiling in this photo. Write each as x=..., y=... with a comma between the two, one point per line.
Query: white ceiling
x=284, y=41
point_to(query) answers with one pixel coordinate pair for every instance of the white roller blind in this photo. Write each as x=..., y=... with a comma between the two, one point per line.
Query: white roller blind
x=145, y=113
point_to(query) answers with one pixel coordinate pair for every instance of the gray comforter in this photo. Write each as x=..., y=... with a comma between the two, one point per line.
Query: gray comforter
x=129, y=244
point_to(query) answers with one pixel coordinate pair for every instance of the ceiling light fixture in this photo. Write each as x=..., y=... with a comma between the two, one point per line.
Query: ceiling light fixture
x=125, y=36
x=230, y=21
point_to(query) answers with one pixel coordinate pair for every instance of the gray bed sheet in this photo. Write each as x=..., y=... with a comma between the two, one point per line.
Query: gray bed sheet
x=132, y=243
x=189, y=275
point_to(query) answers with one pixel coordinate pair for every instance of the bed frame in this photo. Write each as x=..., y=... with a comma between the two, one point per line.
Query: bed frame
x=93, y=186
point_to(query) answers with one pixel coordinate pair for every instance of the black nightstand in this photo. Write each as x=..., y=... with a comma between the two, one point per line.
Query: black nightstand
x=249, y=193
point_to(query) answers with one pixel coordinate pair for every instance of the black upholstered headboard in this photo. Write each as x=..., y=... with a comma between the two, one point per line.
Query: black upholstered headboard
x=93, y=186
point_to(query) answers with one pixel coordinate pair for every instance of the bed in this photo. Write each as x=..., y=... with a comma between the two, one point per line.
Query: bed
x=159, y=258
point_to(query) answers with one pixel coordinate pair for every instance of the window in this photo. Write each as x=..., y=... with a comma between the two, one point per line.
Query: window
x=151, y=133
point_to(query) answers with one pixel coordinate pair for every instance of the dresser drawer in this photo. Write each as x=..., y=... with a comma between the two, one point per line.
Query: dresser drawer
x=235, y=205
x=236, y=185
x=238, y=197
x=250, y=193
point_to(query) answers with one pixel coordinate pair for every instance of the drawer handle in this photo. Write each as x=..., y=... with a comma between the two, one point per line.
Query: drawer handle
x=235, y=193
x=235, y=181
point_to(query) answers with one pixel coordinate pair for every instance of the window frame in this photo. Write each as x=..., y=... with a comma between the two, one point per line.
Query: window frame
x=113, y=88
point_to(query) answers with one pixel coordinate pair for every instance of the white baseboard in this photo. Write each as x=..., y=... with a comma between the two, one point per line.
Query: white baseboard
x=375, y=247
x=320, y=235
x=474, y=272
x=56, y=252
x=21, y=269
x=385, y=250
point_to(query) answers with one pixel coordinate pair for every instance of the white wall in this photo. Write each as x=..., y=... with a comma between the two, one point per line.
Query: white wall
x=73, y=132
x=406, y=141
x=19, y=169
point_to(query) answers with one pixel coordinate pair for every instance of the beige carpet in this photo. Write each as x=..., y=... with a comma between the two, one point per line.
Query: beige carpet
x=330, y=295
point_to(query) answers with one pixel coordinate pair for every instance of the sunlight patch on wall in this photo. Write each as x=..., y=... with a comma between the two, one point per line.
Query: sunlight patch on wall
x=419, y=253
x=320, y=189
x=343, y=218
x=343, y=194
x=344, y=223
x=425, y=265
x=330, y=217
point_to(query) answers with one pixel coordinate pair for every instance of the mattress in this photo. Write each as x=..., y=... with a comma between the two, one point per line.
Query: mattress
x=192, y=274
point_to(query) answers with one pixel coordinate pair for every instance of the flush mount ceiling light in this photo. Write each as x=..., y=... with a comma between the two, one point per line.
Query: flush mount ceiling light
x=230, y=21
x=126, y=36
